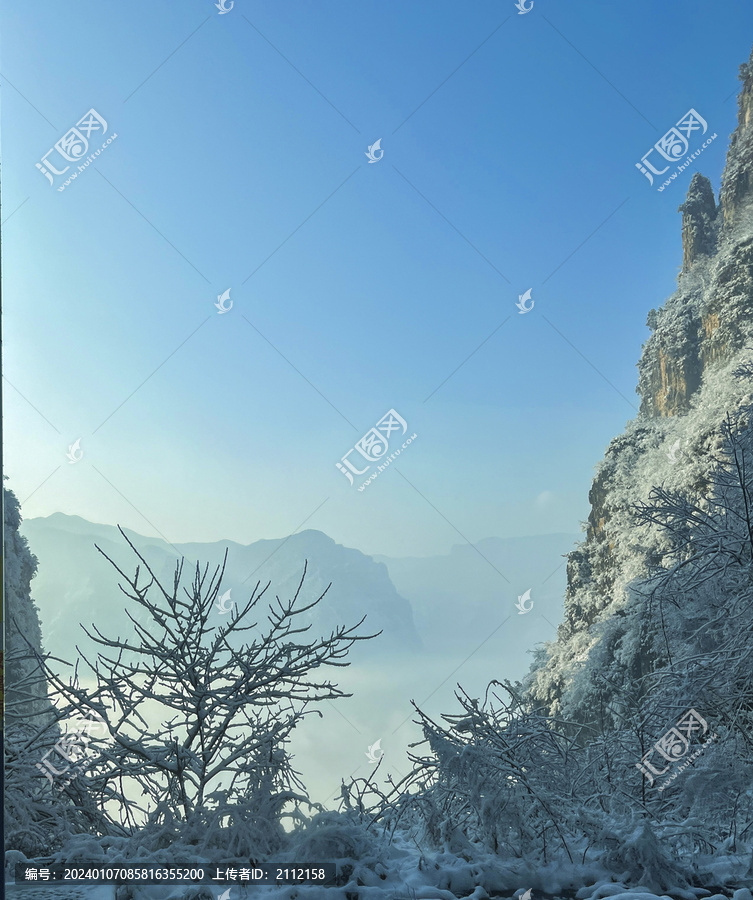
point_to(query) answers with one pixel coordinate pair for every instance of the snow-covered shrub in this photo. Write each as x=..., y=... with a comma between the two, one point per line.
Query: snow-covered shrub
x=32, y=820
x=336, y=837
x=492, y=776
x=197, y=711
x=503, y=776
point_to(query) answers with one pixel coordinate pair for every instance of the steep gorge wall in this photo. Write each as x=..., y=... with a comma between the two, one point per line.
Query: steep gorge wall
x=25, y=686
x=686, y=384
x=709, y=317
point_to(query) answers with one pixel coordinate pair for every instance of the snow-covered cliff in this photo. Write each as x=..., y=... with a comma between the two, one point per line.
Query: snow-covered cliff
x=692, y=373
x=26, y=688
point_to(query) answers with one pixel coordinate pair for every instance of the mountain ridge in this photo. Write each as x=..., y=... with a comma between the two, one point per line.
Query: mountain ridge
x=694, y=370
x=415, y=597
x=73, y=577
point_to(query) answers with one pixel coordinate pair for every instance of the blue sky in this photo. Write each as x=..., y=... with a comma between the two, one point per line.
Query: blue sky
x=510, y=144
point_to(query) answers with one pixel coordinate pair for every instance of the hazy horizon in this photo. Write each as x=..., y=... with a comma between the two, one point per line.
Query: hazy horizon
x=282, y=537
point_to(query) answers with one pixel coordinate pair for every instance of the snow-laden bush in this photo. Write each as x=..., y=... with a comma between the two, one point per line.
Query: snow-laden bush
x=196, y=707
x=671, y=668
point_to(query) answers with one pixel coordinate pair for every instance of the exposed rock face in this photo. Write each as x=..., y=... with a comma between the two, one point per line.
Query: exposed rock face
x=698, y=221
x=701, y=335
x=736, y=181
x=26, y=688
x=709, y=318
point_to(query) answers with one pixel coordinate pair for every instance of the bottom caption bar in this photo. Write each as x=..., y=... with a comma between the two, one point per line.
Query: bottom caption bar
x=180, y=873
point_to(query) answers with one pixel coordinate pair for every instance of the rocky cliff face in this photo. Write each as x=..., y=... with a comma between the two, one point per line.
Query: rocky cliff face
x=692, y=373
x=26, y=688
x=709, y=318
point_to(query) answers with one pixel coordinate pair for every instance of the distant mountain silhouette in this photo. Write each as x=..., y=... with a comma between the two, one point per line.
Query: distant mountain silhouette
x=75, y=584
x=465, y=593
x=422, y=605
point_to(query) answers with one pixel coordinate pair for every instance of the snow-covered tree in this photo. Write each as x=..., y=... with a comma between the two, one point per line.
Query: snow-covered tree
x=673, y=664
x=196, y=711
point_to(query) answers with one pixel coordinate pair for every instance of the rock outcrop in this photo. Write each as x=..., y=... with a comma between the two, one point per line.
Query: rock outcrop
x=699, y=218
x=709, y=318
x=25, y=686
x=700, y=338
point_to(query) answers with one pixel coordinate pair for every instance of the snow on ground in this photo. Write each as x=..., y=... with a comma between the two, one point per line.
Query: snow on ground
x=59, y=892
x=400, y=871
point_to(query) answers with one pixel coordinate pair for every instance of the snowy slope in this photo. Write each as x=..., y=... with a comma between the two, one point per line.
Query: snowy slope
x=701, y=337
